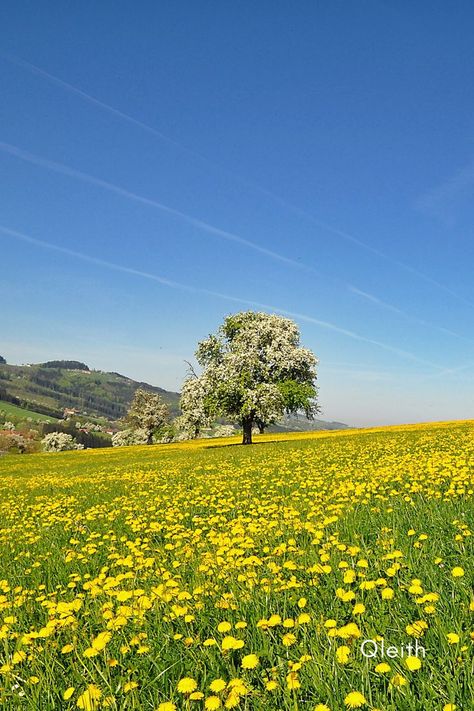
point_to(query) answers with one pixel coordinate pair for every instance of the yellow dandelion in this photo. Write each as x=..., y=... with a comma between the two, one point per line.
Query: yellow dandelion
x=187, y=685
x=217, y=685
x=398, y=680
x=413, y=663
x=250, y=661
x=355, y=700
x=342, y=654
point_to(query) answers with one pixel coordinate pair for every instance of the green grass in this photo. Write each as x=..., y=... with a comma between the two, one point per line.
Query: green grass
x=7, y=409
x=160, y=545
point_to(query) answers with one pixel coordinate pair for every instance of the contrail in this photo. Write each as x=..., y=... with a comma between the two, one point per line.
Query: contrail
x=123, y=192
x=200, y=224
x=255, y=186
x=383, y=304
x=216, y=294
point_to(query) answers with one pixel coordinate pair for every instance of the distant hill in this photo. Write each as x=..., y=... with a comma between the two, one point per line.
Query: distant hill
x=51, y=387
x=292, y=423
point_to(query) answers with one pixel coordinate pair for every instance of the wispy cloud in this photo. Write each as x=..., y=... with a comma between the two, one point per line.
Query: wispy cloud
x=383, y=304
x=68, y=171
x=446, y=372
x=62, y=169
x=375, y=300
x=15, y=234
x=458, y=181
x=441, y=200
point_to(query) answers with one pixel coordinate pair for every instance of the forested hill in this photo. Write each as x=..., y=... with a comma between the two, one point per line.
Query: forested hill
x=51, y=387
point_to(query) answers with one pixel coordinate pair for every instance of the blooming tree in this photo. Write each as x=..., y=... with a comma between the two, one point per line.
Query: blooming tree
x=194, y=415
x=59, y=442
x=253, y=372
x=127, y=437
x=147, y=412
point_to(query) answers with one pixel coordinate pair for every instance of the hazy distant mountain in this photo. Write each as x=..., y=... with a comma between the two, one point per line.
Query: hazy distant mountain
x=301, y=424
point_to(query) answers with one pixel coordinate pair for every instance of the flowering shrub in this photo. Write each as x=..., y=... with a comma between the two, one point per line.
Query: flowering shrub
x=125, y=438
x=59, y=442
x=224, y=431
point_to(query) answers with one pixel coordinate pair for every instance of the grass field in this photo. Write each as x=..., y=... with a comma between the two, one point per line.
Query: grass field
x=201, y=576
x=9, y=410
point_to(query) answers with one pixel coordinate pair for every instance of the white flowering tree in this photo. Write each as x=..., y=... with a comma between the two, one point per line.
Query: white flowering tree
x=147, y=412
x=253, y=372
x=125, y=438
x=59, y=442
x=194, y=416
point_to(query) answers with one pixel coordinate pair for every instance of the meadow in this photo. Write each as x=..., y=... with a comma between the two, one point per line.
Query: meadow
x=8, y=410
x=205, y=575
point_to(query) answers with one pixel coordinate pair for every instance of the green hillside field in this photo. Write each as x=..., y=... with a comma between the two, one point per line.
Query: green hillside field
x=93, y=393
x=7, y=410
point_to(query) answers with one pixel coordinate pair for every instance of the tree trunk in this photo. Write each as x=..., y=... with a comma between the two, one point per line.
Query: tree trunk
x=247, y=431
x=150, y=438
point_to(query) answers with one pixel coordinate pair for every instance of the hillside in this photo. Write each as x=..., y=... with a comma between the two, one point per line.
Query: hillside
x=49, y=389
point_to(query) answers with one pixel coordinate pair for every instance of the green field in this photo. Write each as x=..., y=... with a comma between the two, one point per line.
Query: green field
x=8, y=410
x=208, y=575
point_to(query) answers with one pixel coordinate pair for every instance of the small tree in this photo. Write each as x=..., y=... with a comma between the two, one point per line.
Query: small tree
x=147, y=412
x=2, y=360
x=59, y=442
x=125, y=438
x=194, y=416
x=254, y=371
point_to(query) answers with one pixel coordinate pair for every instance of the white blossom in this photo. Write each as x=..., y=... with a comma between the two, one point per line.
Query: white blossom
x=59, y=442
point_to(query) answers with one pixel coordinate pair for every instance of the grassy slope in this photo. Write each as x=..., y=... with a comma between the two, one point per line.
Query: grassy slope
x=192, y=504
x=8, y=410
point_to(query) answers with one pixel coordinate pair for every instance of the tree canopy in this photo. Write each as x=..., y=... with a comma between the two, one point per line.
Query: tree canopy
x=253, y=372
x=147, y=412
x=65, y=364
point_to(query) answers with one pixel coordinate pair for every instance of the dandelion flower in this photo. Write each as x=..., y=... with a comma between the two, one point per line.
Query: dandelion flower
x=250, y=661
x=217, y=685
x=413, y=663
x=187, y=685
x=342, y=654
x=398, y=680
x=355, y=700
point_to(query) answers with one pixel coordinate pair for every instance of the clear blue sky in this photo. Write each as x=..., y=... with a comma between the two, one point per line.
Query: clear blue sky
x=314, y=158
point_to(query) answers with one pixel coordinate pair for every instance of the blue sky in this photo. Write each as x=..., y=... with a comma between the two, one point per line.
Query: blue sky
x=165, y=164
